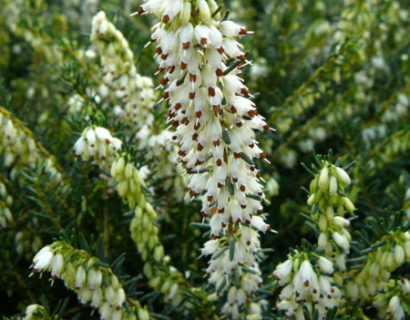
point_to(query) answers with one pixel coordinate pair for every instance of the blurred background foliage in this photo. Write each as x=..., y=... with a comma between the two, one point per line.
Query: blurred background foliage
x=327, y=74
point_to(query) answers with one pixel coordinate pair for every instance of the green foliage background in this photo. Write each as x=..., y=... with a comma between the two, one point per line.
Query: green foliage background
x=327, y=74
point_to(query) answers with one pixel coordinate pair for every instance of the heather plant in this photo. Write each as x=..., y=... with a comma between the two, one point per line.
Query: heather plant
x=204, y=159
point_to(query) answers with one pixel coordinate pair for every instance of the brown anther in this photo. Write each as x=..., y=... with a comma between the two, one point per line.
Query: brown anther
x=248, y=243
x=251, y=145
x=241, y=57
x=165, y=95
x=174, y=137
x=252, y=113
x=164, y=81
x=235, y=180
x=181, y=153
x=233, y=109
x=211, y=91
x=243, y=206
x=195, y=136
x=198, y=114
x=198, y=162
x=214, y=237
x=192, y=95
x=140, y=10
x=203, y=41
x=177, y=106
x=242, y=188
x=266, y=127
x=248, y=222
x=202, y=214
x=221, y=50
x=164, y=56
x=245, y=91
x=239, y=124
x=262, y=155
x=183, y=65
x=197, y=126
x=219, y=163
x=210, y=198
x=306, y=283
x=217, y=109
x=236, y=155
x=259, y=211
x=171, y=69
x=219, y=72
x=186, y=45
x=199, y=147
x=158, y=50
x=185, y=121
x=216, y=143
x=222, y=210
x=165, y=18
x=220, y=185
x=243, y=31
x=192, y=77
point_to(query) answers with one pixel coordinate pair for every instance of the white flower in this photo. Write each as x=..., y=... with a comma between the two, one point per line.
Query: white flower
x=42, y=259
x=342, y=175
x=57, y=265
x=325, y=265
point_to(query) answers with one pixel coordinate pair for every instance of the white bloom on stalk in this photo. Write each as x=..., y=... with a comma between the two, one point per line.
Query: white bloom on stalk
x=215, y=120
x=304, y=285
x=98, y=145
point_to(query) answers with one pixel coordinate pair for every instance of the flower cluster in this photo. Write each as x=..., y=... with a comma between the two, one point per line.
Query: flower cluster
x=97, y=144
x=5, y=202
x=20, y=150
x=307, y=280
x=128, y=179
x=392, y=251
x=329, y=205
x=125, y=87
x=94, y=285
x=394, y=301
x=215, y=121
x=144, y=231
x=120, y=78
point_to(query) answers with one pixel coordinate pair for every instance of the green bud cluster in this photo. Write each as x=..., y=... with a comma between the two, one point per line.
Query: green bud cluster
x=94, y=284
x=329, y=205
x=128, y=179
x=5, y=202
x=394, y=250
x=144, y=230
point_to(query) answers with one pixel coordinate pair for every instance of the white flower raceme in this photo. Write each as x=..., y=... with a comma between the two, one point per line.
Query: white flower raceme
x=133, y=96
x=210, y=107
x=20, y=150
x=120, y=78
x=307, y=281
x=94, y=285
x=98, y=145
